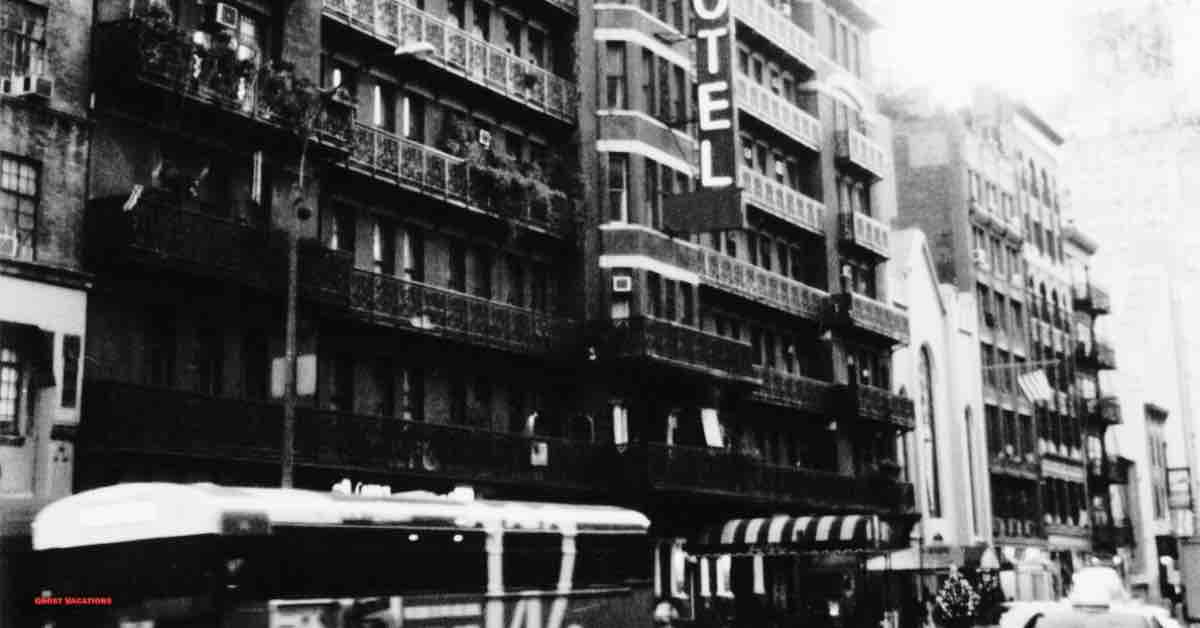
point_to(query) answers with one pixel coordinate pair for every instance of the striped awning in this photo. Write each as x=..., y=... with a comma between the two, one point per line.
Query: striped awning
x=787, y=534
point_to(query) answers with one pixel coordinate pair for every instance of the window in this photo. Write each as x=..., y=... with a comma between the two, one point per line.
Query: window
x=383, y=248
x=341, y=384
x=618, y=187
x=482, y=25
x=341, y=232
x=615, y=75
x=256, y=364
x=383, y=107
x=412, y=399
x=458, y=267
x=22, y=38
x=483, y=274
x=537, y=48
x=19, y=192
x=649, y=102
x=516, y=281
x=412, y=253
x=932, y=481
x=512, y=35
x=160, y=348
x=653, y=199
x=209, y=357
x=414, y=118
x=385, y=387
x=11, y=385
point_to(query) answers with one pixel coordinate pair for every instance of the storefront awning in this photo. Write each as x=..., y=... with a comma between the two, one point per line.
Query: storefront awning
x=787, y=534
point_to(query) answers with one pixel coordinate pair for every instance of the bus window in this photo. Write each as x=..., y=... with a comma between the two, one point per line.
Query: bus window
x=606, y=560
x=532, y=560
x=376, y=561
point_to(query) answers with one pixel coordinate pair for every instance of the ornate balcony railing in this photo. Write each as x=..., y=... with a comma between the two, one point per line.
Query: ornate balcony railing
x=1091, y=298
x=167, y=230
x=1099, y=355
x=712, y=471
x=781, y=201
x=756, y=284
x=1012, y=462
x=856, y=312
x=856, y=403
x=1104, y=411
x=133, y=51
x=523, y=200
x=1017, y=528
x=136, y=419
x=789, y=390
x=458, y=52
x=679, y=345
x=778, y=29
x=438, y=311
x=772, y=109
x=1108, y=470
x=858, y=150
x=866, y=232
x=720, y=271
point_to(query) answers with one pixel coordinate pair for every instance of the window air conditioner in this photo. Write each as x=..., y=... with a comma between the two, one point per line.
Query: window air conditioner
x=979, y=256
x=225, y=15
x=622, y=283
x=31, y=85
x=485, y=138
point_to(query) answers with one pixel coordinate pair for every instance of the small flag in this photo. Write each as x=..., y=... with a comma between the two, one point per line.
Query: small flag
x=1035, y=386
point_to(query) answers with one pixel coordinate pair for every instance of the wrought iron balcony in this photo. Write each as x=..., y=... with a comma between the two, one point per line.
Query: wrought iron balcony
x=756, y=284
x=789, y=390
x=865, y=232
x=1010, y=462
x=169, y=231
x=1092, y=299
x=778, y=29
x=132, y=419
x=720, y=271
x=700, y=471
x=1097, y=356
x=1076, y=527
x=140, y=52
x=1111, y=536
x=524, y=200
x=781, y=201
x=1104, y=411
x=857, y=150
x=676, y=345
x=858, y=403
x=395, y=24
x=772, y=109
x=388, y=300
x=1108, y=470
x=857, y=313
x=1017, y=528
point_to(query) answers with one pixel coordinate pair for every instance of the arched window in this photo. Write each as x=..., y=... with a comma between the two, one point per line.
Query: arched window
x=932, y=479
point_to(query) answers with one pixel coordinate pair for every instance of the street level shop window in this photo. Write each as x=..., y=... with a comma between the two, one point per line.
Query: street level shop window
x=11, y=385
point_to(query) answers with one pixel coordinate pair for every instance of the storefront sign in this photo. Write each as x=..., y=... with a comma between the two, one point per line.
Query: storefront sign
x=715, y=206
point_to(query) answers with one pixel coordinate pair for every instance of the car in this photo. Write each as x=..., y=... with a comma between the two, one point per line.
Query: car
x=1096, y=584
x=1092, y=616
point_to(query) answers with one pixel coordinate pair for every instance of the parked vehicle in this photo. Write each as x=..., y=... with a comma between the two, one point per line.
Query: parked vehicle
x=201, y=554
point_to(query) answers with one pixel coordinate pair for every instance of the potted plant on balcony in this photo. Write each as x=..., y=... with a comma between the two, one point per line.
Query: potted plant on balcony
x=221, y=71
x=162, y=47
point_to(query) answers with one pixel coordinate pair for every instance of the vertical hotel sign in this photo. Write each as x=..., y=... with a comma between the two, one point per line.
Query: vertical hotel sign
x=716, y=205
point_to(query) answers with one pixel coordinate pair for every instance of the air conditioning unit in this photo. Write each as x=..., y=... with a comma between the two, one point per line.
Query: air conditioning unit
x=225, y=15
x=31, y=85
x=979, y=257
x=622, y=283
x=485, y=138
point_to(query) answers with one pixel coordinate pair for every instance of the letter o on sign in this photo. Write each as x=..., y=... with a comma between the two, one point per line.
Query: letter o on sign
x=705, y=12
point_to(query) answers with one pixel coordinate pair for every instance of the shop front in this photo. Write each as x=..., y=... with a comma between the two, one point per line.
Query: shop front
x=778, y=571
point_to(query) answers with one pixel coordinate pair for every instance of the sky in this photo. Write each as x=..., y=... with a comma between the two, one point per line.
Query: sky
x=1017, y=45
